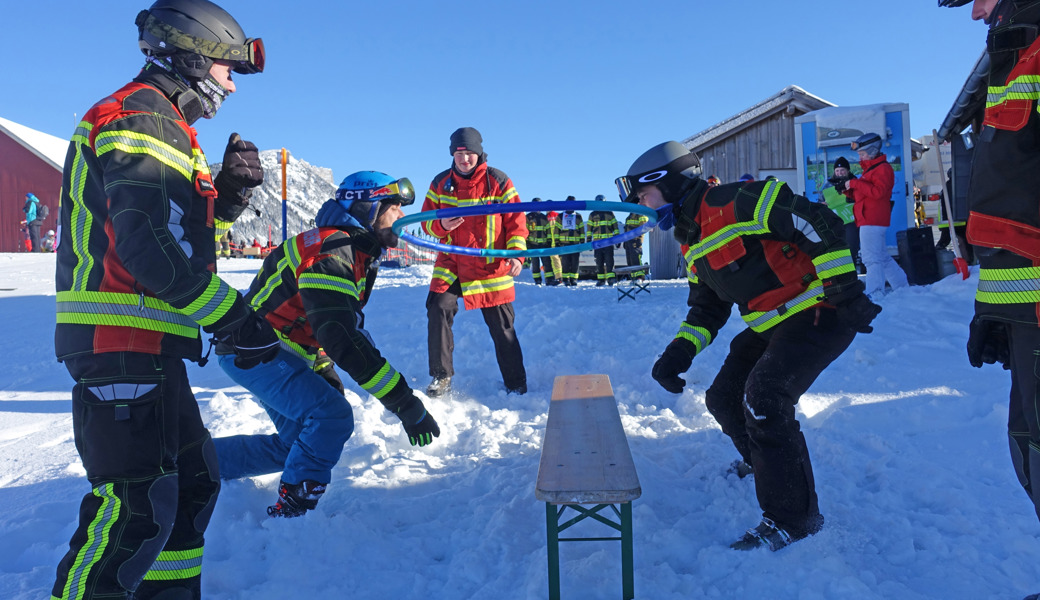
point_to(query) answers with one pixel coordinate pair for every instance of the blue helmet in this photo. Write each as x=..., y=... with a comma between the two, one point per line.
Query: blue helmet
x=360, y=196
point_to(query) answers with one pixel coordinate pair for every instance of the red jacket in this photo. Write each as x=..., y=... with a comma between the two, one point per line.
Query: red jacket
x=872, y=192
x=485, y=281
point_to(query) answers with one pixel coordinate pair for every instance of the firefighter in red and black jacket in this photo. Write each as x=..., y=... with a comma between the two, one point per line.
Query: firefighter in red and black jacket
x=135, y=281
x=1004, y=224
x=482, y=282
x=312, y=289
x=784, y=262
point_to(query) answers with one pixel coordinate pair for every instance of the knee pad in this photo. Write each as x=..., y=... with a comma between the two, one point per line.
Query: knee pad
x=161, y=499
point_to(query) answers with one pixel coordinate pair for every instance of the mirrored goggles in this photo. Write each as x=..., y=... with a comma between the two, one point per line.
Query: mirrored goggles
x=399, y=192
x=246, y=58
x=872, y=140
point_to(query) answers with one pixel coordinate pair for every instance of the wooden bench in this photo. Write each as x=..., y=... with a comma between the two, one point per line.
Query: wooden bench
x=586, y=461
x=251, y=252
x=631, y=287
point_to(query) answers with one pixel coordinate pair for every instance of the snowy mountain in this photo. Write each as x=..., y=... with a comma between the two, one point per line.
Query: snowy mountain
x=307, y=188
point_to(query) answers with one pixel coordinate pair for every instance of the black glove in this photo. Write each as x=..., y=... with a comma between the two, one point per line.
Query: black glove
x=988, y=343
x=420, y=425
x=857, y=313
x=675, y=359
x=326, y=369
x=838, y=183
x=253, y=342
x=240, y=172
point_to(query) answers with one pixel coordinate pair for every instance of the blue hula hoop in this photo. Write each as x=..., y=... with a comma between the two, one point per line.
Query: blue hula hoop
x=515, y=207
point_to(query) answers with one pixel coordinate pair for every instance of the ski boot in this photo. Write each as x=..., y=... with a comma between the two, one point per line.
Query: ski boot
x=439, y=386
x=295, y=499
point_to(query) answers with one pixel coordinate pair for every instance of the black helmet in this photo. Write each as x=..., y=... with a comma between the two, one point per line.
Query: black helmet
x=669, y=166
x=195, y=33
x=953, y=3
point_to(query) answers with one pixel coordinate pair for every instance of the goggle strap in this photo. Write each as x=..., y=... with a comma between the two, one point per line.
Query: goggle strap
x=238, y=53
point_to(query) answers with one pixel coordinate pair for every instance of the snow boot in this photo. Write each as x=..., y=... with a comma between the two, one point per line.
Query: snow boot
x=740, y=468
x=519, y=390
x=439, y=386
x=770, y=535
x=295, y=499
x=601, y=282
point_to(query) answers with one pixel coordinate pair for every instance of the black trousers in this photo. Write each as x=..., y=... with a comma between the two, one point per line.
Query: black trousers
x=569, y=264
x=604, y=263
x=1023, y=412
x=154, y=480
x=852, y=238
x=538, y=263
x=633, y=257
x=440, y=312
x=34, y=236
x=753, y=399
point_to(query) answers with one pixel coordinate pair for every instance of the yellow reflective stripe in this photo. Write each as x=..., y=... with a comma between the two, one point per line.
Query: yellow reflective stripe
x=1009, y=286
x=133, y=142
x=220, y=227
x=517, y=242
x=123, y=310
x=176, y=564
x=212, y=304
x=761, y=321
x=97, y=541
x=82, y=133
x=308, y=356
x=698, y=335
x=834, y=263
x=758, y=225
x=290, y=260
x=486, y=286
x=320, y=281
x=444, y=275
x=80, y=222
x=382, y=382
x=201, y=165
x=1023, y=87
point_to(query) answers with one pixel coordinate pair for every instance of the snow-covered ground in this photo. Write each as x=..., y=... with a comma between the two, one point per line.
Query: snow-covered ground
x=908, y=444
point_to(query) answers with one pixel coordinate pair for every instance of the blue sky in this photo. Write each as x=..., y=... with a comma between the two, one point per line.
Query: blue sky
x=566, y=94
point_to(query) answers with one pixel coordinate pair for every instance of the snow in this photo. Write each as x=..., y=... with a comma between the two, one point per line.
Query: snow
x=50, y=147
x=908, y=444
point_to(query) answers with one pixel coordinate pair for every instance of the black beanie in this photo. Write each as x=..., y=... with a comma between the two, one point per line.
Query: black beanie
x=841, y=161
x=466, y=138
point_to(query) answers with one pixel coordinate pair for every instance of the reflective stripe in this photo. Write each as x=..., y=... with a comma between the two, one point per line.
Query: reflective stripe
x=123, y=310
x=698, y=335
x=761, y=321
x=290, y=260
x=1009, y=286
x=176, y=564
x=121, y=391
x=320, y=281
x=383, y=381
x=758, y=225
x=298, y=350
x=1023, y=87
x=212, y=304
x=81, y=222
x=486, y=286
x=97, y=540
x=834, y=263
x=133, y=142
x=517, y=242
x=82, y=133
x=444, y=275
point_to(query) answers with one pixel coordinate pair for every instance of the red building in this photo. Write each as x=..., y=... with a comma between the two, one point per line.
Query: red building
x=30, y=161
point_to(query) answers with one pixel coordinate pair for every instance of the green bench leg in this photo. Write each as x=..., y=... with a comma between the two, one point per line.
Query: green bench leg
x=552, y=524
x=627, y=561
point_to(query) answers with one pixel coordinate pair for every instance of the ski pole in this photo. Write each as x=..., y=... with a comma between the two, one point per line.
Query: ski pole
x=958, y=262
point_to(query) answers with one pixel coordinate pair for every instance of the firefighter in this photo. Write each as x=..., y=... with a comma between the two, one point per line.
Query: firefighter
x=311, y=289
x=538, y=237
x=135, y=280
x=602, y=225
x=634, y=247
x=1003, y=224
x=484, y=283
x=571, y=232
x=784, y=262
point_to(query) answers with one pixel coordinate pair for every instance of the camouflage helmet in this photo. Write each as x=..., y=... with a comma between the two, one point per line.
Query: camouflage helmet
x=195, y=33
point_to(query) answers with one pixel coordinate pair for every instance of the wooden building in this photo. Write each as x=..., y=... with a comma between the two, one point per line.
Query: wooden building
x=30, y=161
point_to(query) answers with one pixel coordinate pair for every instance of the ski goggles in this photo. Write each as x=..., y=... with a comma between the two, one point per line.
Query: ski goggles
x=399, y=192
x=628, y=185
x=858, y=144
x=246, y=58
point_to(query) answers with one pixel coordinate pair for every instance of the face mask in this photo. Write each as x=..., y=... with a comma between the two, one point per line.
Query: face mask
x=212, y=95
x=665, y=217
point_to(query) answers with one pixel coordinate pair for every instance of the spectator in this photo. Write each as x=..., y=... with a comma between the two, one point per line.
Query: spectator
x=872, y=198
x=537, y=238
x=48, y=242
x=842, y=206
x=634, y=246
x=572, y=232
x=603, y=225
x=35, y=212
x=746, y=177
x=484, y=283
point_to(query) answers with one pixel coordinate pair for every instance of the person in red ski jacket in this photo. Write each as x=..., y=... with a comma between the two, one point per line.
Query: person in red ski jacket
x=872, y=197
x=482, y=282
